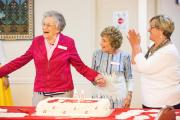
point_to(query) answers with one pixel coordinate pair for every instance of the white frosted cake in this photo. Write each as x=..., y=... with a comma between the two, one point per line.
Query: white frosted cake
x=71, y=107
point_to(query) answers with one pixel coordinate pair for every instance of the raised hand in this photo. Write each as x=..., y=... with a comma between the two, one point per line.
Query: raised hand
x=134, y=38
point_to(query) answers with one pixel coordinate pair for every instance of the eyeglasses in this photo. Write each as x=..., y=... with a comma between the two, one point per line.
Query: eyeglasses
x=48, y=25
x=151, y=27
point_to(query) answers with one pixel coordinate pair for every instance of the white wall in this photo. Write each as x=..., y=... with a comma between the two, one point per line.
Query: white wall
x=105, y=9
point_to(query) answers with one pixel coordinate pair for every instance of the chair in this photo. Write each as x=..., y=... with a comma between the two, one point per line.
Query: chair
x=166, y=113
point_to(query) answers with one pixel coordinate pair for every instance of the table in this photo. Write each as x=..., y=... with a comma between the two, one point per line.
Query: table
x=30, y=110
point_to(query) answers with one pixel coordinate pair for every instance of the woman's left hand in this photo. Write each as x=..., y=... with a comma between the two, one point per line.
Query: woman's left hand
x=127, y=101
x=100, y=81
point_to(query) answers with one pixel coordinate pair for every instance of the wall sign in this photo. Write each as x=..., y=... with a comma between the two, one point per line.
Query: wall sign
x=120, y=20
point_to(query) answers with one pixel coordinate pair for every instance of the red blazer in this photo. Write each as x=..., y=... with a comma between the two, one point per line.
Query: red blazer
x=53, y=75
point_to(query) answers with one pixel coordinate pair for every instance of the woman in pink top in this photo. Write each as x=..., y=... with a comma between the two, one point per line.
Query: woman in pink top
x=53, y=54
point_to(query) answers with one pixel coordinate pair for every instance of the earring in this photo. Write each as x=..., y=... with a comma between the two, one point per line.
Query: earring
x=161, y=37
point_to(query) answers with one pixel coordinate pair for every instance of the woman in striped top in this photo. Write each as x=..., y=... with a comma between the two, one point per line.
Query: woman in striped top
x=115, y=65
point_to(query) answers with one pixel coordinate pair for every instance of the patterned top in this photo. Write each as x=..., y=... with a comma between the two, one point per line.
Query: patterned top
x=119, y=63
x=117, y=70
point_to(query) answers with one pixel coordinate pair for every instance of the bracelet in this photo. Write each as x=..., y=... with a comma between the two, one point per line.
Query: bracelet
x=130, y=93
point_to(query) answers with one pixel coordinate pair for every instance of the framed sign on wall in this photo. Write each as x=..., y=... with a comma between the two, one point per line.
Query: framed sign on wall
x=16, y=20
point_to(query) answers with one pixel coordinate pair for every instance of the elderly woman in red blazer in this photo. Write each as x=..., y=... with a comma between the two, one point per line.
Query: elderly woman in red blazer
x=53, y=53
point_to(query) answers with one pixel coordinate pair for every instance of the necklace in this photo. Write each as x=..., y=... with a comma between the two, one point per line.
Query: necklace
x=151, y=51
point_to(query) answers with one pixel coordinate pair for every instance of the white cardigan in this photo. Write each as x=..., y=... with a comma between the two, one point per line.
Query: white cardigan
x=160, y=77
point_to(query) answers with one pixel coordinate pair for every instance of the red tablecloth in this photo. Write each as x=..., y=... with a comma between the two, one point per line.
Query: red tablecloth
x=30, y=110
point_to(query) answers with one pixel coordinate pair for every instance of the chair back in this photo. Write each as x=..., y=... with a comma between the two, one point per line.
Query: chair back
x=166, y=113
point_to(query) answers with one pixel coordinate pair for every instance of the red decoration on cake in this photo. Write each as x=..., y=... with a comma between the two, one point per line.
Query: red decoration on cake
x=79, y=101
x=52, y=101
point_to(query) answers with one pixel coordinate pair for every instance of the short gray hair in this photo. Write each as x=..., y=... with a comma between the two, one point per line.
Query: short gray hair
x=59, y=18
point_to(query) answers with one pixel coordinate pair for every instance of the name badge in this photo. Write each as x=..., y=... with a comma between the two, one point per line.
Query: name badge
x=115, y=63
x=62, y=47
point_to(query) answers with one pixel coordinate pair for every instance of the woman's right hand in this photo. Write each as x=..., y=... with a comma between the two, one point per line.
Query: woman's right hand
x=134, y=38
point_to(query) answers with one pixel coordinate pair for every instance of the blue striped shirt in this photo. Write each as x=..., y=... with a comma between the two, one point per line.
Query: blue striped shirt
x=119, y=63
